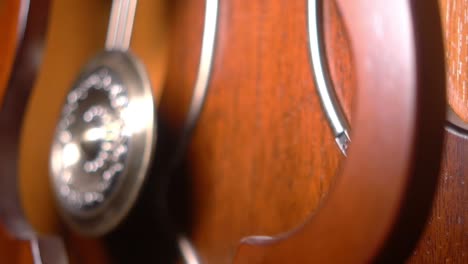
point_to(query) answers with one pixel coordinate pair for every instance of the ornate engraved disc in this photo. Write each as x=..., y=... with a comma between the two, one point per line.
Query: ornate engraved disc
x=103, y=143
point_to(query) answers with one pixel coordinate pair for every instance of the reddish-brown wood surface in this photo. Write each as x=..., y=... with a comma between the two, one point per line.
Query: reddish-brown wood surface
x=262, y=158
x=373, y=210
x=9, y=25
x=455, y=20
x=445, y=239
x=9, y=13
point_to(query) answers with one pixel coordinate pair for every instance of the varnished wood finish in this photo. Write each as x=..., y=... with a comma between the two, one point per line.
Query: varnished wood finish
x=455, y=21
x=263, y=159
x=340, y=58
x=445, y=239
x=185, y=31
x=373, y=213
x=10, y=20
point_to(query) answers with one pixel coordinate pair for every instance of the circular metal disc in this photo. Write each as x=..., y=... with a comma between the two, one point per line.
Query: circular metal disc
x=103, y=143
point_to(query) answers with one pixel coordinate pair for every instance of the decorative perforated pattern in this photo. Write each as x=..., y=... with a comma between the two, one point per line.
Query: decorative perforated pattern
x=91, y=142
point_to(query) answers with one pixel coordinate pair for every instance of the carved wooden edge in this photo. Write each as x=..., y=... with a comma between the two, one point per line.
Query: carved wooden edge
x=33, y=22
x=377, y=209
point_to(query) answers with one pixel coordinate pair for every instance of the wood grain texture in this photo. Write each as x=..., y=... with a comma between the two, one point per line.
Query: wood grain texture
x=340, y=58
x=455, y=22
x=377, y=208
x=445, y=239
x=262, y=157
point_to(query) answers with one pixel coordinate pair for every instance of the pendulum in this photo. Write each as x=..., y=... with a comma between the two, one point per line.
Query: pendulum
x=105, y=137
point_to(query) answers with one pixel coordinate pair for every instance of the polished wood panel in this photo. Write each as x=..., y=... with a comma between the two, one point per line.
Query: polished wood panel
x=455, y=21
x=445, y=239
x=262, y=159
x=377, y=209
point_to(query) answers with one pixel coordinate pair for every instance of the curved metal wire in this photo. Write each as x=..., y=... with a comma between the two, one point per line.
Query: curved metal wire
x=332, y=108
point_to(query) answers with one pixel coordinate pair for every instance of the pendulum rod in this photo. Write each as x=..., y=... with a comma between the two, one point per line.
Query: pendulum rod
x=120, y=27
